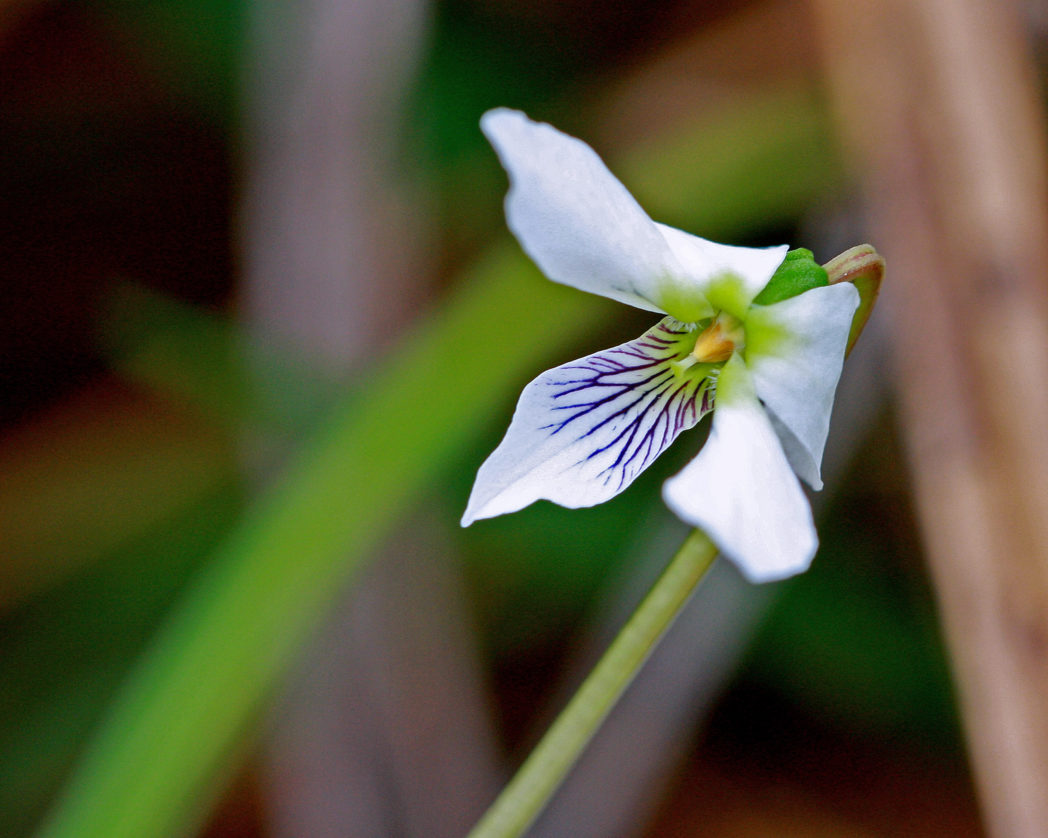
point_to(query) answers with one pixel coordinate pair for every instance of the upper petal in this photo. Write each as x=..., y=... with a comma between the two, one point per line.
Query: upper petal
x=795, y=350
x=729, y=277
x=740, y=489
x=575, y=219
x=583, y=431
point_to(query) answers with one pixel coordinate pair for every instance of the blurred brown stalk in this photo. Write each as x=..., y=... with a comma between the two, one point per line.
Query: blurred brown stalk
x=938, y=102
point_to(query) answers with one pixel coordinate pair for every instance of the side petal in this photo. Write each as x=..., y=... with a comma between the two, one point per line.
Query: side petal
x=583, y=431
x=795, y=350
x=740, y=489
x=574, y=218
x=729, y=277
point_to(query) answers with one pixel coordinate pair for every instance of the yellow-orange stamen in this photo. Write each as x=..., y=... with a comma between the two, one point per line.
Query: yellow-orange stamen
x=718, y=340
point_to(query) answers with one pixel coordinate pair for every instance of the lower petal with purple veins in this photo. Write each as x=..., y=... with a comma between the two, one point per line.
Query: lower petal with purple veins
x=582, y=432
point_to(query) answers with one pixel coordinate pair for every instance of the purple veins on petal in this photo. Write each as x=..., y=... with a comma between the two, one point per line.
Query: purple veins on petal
x=583, y=431
x=639, y=407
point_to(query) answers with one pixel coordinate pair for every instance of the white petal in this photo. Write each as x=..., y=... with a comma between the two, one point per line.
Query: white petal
x=728, y=276
x=575, y=219
x=795, y=350
x=583, y=431
x=740, y=489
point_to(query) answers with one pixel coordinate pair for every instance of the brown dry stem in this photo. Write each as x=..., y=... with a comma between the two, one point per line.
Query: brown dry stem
x=938, y=104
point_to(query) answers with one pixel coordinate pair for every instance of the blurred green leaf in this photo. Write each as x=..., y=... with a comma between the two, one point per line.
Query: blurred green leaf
x=63, y=653
x=252, y=607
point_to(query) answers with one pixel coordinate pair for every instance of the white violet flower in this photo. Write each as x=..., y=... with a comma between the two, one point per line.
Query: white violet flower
x=582, y=432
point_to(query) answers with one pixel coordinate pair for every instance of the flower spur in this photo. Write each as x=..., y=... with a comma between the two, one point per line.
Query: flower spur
x=754, y=334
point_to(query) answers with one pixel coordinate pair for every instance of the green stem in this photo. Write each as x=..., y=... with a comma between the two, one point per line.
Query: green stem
x=542, y=773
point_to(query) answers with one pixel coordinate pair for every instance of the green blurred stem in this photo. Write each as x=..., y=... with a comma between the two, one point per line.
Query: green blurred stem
x=542, y=773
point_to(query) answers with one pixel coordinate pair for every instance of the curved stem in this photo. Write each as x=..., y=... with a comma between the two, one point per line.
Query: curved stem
x=542, y=773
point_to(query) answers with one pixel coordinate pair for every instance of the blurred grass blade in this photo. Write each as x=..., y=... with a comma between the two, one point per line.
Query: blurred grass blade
x=192, y=697
x=64, y=652
x=219, y=655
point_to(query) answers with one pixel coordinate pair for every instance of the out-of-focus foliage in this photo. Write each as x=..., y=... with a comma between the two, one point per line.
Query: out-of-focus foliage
x=845, y=642
x=62, y=652
x=856, y=640
x=196, y=45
